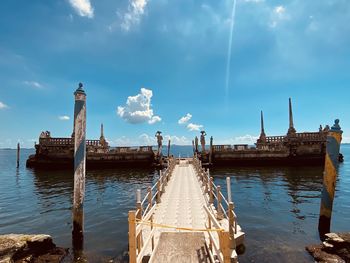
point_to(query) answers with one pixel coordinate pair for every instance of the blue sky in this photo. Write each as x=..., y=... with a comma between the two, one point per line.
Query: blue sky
x=145, y=64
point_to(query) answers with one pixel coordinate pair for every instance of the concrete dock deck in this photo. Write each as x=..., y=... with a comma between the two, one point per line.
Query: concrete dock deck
x=185, y=222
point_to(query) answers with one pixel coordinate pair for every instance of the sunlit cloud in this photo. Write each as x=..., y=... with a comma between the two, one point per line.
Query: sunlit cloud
x=178, y=140
x=249, y=139
x=83, y=7
x=3, y=106
x=136, y=10
x=64, y=118
x=138, y=108
x=279, y=13
x=194, y=127
x=185, y=119
x=33, y=84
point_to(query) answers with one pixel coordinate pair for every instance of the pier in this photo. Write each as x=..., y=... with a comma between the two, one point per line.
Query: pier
x=184, y=217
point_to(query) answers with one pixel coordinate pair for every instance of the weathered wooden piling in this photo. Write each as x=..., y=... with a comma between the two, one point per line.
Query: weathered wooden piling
x=18, y=153
x=211, y=150
x=168, y=148
x=219, y=199
x=228, y=184
x=334, y=138
x=79, y=167
x=139, y=216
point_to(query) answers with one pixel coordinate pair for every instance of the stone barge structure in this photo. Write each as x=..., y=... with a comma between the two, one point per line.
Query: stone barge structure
x=305, y=148
x=59, y=153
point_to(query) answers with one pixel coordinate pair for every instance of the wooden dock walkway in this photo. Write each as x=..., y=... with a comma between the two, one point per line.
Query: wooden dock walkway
x=177, y=221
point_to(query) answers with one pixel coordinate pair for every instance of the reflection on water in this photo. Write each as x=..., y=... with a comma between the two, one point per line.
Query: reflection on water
x=277, y=208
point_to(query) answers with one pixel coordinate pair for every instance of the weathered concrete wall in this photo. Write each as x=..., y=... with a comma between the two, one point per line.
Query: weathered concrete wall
x=52, y=156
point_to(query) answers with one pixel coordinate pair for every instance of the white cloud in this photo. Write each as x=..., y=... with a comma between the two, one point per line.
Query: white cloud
x=154, y=119
x=123, y=141
x=176, y=140
x=279, y=13
x=279, y=9
x=33, y=84
x=136, y=9
x=250, y=139
x=3, y=106
x=194, y=127
x=138, y=108
x=83, y=7
x=185, y=119
x=64, y=118
x=146, y=139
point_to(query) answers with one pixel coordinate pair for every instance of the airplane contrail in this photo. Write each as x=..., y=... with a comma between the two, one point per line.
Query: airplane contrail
x=228, y=64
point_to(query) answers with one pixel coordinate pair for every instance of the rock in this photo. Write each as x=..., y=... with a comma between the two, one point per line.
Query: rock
x=17, y=248
x=335, y=248
x=334, y=237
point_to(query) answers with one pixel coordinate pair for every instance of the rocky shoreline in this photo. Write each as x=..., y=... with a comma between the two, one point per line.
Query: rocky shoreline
x=335, y=249
x=18, y=248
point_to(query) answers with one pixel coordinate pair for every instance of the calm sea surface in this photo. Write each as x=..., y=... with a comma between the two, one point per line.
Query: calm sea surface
x=276, y=207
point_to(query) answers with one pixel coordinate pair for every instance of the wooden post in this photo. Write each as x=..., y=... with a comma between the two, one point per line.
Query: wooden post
x=132, y=236
x=210, y=241
x=228, y=184
x=224, y=239
x=150, y=196
x=334, y=138
x=162, y=181
x=211, y=196
x=168, y=148
x=151, y=232
x=79, y=167
x=218, y=194
x=211, y=150
x=18, y=154
x=231, y=221
x=206, y=183
x=158, y=191
x=138, y=217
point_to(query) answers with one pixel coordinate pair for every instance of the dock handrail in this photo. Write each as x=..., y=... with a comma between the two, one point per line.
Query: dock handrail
x=223, y=250
x=214, y=196
x=144, y=213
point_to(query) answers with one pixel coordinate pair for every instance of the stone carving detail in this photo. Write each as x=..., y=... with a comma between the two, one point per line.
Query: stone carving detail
x=159, y=141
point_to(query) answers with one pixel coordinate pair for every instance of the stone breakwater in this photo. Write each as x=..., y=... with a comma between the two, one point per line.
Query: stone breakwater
x=15, y=248
x=335, y=248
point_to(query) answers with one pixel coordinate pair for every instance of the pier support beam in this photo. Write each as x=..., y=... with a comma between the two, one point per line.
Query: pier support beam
x=211, y=150
x=334, y=138
x=79, y=169
x=168, y=148
x=18, y=154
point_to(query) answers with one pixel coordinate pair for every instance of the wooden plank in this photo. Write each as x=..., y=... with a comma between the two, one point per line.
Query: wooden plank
x=181, y=248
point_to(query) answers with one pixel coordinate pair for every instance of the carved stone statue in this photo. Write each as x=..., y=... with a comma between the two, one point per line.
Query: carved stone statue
x=196, y=144
x=203, y=134
x=45, y=134
x=159, y=141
